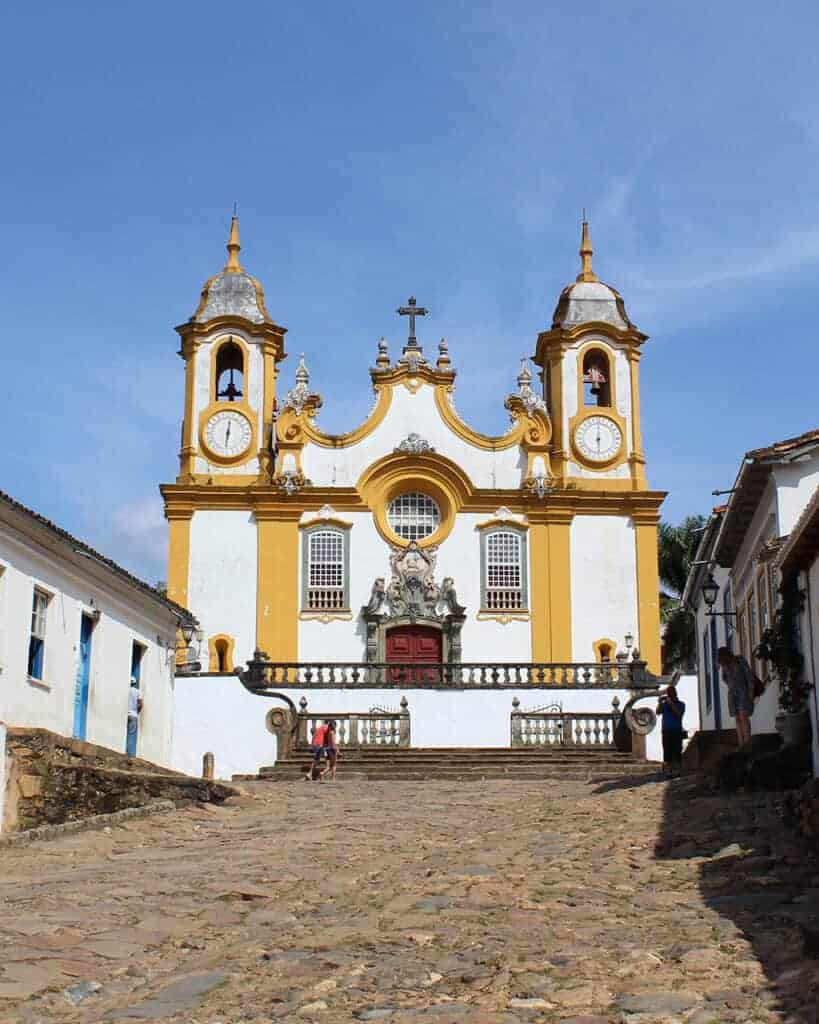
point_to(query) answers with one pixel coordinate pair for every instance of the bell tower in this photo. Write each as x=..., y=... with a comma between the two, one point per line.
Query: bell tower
x=589, y=360
x=231, y=349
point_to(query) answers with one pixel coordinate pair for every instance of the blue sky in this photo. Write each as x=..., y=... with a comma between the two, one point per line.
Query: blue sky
x=377, y=150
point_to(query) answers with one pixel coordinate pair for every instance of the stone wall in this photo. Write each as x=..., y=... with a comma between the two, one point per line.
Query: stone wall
x=50, y=779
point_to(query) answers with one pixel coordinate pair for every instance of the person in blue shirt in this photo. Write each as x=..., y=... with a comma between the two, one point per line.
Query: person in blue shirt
x=672, y=710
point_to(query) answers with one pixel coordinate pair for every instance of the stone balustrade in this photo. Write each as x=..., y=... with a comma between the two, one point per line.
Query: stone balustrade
x=264, y=674
x=551, y=726
x=378, y=727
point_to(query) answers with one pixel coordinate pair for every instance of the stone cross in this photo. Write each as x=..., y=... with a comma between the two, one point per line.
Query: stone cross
x=412, y=310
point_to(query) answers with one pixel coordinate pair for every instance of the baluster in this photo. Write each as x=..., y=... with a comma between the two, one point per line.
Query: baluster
x=597, y=732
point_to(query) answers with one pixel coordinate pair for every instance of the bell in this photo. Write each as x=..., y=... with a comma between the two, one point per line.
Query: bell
x=231, y=392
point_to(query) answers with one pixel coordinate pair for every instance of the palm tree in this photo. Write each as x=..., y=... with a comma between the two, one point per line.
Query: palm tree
x=677, y=546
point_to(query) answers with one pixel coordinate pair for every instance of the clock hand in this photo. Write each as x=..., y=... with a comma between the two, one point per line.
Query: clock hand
x=227, y=434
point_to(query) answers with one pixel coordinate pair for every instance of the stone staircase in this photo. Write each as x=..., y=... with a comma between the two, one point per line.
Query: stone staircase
x=475, y=763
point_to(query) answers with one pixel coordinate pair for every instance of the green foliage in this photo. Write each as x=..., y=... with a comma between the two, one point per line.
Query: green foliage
x=779, y=646
x=677, y=546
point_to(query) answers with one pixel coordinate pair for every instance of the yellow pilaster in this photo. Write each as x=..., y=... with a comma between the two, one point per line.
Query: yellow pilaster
x=186, y=455
x=560, y=442
x=551, y=592
x=269, y=375
x=637, y=459
x=539, y=592
x=560, y=589
x=648, y=591
x=277, y=612
x=179, y=554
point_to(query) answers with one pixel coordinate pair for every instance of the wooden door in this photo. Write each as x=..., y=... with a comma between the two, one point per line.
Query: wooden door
x=414, y=645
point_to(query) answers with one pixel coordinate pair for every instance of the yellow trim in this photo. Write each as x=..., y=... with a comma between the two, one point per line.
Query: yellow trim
x=648, y=591
x=179, y=554
x=504, y=618
x=515, y=524
x=432, y=474
x=277, y=588
x=310, y=524
x=474, y=437
x=598, y=646
x=188, y=451
x=213, y=653
x=313, y=433
x=637, y=457
x=599, y=497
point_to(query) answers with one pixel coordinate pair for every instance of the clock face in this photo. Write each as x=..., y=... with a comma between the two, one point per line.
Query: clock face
x=598, y=438
x=227, y=433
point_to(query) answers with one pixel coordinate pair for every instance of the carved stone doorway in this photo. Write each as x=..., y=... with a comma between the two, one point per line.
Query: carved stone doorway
x=414, y=644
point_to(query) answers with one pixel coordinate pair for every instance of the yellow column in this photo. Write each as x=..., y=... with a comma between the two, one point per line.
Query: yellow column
x=560, y=442
x=539, y=592
x=179, y=554
x=277, y=596
x=269, y=375
x=560, y=589
x=186, y=455
x=551, y=589
x=637, y=459
x=648, y=591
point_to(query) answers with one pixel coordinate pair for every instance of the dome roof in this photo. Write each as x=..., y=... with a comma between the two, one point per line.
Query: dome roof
x=233, y=292
x=587, y=298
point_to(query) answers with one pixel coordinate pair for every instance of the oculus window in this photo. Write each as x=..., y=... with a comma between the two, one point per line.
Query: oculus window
x=413, y=516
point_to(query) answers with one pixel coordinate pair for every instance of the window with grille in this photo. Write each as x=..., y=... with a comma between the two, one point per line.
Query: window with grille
x=36, y=643
x=413, y=516
x=504, y=571
x=326, y=571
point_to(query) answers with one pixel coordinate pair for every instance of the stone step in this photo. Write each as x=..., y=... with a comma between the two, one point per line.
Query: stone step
x=476, y=774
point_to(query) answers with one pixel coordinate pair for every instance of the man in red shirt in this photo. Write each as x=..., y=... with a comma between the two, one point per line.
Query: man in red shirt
x=317, y=742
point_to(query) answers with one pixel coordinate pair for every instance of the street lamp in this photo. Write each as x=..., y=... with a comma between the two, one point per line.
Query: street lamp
x=709, y=591
x=629, y=641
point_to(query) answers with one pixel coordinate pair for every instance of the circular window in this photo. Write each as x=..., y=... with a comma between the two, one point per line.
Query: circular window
x=413, y=516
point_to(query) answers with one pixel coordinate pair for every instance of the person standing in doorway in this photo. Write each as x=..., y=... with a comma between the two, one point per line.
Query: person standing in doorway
x=134, y=711
x=672, y=710
x=740, y=680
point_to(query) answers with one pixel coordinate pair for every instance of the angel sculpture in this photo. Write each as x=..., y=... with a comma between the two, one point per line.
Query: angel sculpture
x=450, y=598
x=377, y=596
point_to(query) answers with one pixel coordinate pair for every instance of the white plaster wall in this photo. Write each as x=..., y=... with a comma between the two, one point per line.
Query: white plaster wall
x=795, y=484
x=217, y=714
x=604, y=582
x=125, y=616
x=458, y=556
x=708, y=719
x=408, y=414
x=222, y=577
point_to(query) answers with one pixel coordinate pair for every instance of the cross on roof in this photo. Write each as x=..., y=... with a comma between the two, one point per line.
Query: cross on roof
x=412, y=310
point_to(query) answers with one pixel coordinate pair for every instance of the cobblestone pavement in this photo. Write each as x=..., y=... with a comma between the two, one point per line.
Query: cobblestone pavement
x=488, y=903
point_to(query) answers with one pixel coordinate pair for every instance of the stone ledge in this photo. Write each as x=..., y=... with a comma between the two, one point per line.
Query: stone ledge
x=86, y=824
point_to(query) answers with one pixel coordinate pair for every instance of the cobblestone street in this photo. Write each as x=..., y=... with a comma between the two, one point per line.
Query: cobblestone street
x=487, y=903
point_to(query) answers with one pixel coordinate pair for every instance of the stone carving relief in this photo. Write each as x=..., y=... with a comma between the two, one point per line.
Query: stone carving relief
x=414, y=444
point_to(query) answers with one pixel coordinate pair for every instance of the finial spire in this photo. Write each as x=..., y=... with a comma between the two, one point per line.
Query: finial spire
x=586, y=272
x=233, y=245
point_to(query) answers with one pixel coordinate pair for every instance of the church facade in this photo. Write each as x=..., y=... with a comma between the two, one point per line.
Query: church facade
x=414, y=539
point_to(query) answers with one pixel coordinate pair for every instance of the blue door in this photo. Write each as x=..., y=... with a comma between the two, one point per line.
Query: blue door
x=715, y=676
x=132, y=734
x=83, y=676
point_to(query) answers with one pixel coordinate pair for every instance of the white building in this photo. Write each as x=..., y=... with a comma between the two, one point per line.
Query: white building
x=800, y=555
x=75, y=629
x=412, y=539
x=742, y=546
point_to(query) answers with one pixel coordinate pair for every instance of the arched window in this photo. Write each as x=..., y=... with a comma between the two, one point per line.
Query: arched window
x=326, y=570
x=596, y=378
x=230, y=365
x=503, y=557
x=220, y=653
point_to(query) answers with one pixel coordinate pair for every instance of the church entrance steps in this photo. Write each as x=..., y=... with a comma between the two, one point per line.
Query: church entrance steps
x=476, y=763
